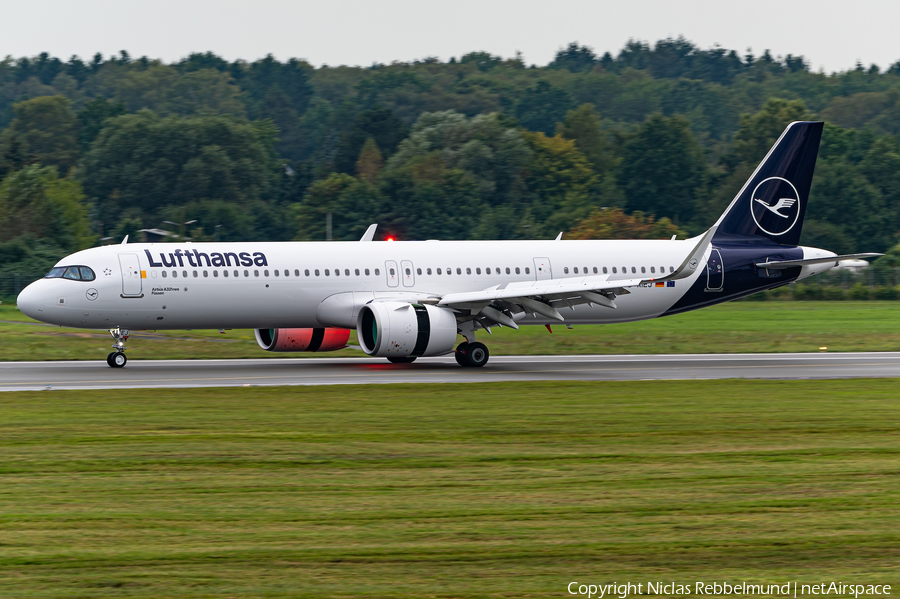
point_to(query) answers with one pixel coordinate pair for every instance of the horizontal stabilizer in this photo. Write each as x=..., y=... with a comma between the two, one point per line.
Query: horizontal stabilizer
x=810, y=261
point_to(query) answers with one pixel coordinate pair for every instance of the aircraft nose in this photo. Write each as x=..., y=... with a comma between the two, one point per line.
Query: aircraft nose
x=29, y=301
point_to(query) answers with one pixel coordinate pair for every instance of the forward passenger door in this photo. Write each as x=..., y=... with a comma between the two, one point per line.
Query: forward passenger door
x=390, y=271
x=409, y=277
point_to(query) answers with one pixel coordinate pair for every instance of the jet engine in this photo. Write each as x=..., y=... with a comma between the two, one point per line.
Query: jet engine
x=400, y=329
x=319, y=339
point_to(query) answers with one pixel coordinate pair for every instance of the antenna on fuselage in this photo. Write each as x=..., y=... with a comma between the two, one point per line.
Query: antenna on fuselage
x=369, y=235
x=558, y=237
x=124, y=241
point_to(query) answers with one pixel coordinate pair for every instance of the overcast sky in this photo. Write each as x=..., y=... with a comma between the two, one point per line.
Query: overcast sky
x=832, y=34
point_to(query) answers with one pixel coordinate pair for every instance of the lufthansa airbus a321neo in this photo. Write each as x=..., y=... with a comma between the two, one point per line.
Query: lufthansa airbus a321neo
x=412, y=298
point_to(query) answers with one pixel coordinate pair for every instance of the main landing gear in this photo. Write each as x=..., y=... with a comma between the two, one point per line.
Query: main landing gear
x=117, y=358
x=472, y=354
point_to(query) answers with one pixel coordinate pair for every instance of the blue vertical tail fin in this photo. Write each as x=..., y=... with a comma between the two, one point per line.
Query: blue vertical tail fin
x=771, y=204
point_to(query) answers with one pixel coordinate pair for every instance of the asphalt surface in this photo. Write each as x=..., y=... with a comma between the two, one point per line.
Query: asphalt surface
x=141, y=374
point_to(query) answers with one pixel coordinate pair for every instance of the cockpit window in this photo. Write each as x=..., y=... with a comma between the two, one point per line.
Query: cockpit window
x=74, y=273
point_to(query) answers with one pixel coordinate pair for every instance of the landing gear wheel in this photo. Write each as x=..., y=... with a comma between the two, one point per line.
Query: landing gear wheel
x=402, y=360
x=460, y=353
x=116, y=359
x=477, y=355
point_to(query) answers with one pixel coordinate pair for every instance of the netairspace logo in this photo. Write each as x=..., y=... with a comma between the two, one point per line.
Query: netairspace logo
x=789, y=589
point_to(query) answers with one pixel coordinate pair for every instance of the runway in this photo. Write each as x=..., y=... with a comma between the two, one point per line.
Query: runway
x=150, y=374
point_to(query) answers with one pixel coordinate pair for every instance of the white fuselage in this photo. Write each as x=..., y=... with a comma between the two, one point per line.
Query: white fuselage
x=284, y=284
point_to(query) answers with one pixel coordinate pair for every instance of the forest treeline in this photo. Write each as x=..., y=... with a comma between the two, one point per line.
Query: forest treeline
x=652, y=142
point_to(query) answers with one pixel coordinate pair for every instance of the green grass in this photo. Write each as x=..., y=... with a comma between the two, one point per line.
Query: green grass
x=506, y=490
x=728, y=328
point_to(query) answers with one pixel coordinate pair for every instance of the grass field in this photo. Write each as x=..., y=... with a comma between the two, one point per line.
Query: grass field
x=499, y=490
x=727, y=328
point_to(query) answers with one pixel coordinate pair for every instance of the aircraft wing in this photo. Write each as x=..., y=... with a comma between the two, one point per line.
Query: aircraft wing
x=498, y=303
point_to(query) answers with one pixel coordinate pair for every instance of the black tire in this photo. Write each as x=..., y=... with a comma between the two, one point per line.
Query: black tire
x=116, y=359
x=477, y=355
x=460, y=353
x=402, y=360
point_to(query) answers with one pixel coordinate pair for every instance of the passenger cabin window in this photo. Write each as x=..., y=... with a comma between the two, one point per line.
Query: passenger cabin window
x=507, y=270
x=427, y=270
x=356, y=272
x=327, y=272
x=438, y=271
x=605, y=271
x=595, y=270
x=367, y=272
x=566, y=269
x=633, y=269
x=306, y=272
x=408, y=272
x=377, y=272
x=527, y=271
x=643, y=269
x=347, y=272
x=517, y=270
x=477, y=271
x=652, y=269
x=614, y=270
x=468, y=271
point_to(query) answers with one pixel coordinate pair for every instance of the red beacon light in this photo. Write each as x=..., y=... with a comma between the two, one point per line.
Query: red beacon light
x=389, y=239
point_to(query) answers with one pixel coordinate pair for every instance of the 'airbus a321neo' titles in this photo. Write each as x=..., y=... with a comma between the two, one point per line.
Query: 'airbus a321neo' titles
x=412, y=298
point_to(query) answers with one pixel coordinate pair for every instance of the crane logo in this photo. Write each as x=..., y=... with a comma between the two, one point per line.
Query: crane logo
x=775, y=206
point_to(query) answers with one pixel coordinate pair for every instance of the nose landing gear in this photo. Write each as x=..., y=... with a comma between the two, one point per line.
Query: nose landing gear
x=117, y=358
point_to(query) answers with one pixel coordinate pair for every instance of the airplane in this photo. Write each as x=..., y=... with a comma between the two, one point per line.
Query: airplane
x=408, y=299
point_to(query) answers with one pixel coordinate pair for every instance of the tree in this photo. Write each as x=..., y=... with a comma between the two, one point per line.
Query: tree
x=353, y=204
x=613, y=223
x=92, y=118
x=35, y=201
x=561, y=179
x=370, y=161
x=378, y=124
x=663, y=168
x=490, y=151
x=542, y=107
x=574, y=58
x=46, y=128
x=144, y=162
x=583, y=126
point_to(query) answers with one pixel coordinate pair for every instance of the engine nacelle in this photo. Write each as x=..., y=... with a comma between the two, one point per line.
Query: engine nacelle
x=399, y=329
x=286, y=340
